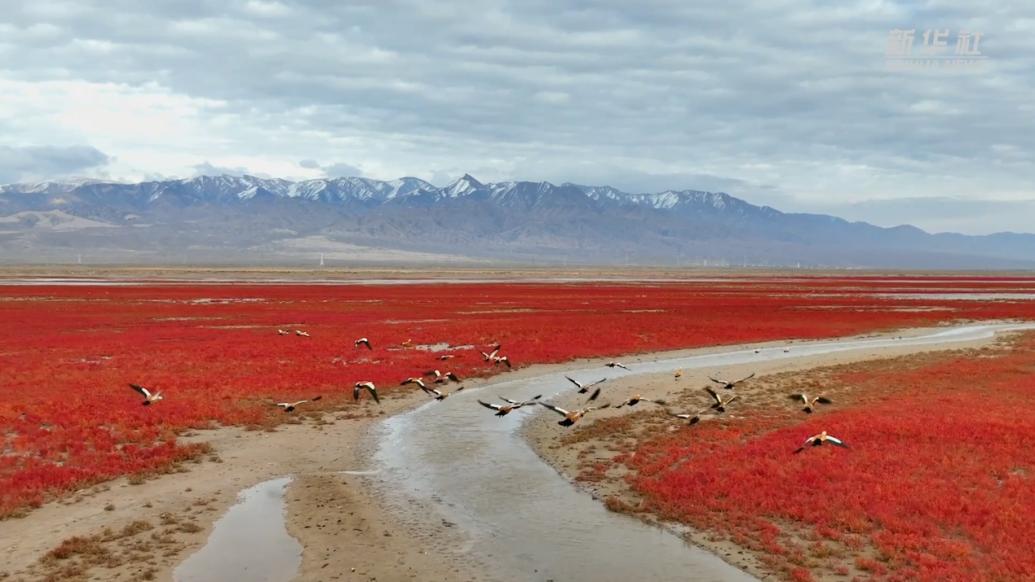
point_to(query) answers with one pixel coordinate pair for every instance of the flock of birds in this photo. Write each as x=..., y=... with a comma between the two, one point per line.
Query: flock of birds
x=718, y=405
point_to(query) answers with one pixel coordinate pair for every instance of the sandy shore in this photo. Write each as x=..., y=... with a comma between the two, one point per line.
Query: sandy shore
x=348, y=532
x=571, y=451
x=344, y=532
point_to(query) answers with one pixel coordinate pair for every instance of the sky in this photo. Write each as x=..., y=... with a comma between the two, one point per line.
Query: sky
x=790, y=103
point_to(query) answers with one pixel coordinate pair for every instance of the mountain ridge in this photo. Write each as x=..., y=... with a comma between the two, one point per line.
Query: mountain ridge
x=231, y=216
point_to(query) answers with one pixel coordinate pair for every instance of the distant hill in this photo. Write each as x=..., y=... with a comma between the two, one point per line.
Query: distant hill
x=229, y=219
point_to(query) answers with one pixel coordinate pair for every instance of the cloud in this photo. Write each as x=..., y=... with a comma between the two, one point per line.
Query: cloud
x=336, y=170
x=48, y=162
x=789, y=102
x=207, y=169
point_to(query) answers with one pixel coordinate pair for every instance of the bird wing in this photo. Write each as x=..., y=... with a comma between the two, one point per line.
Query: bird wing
x=431, y=391
x=716, y=380
x=487, y=405
x=600, y=381
x=714, y=394
x=744, y=379
x=508, y=400
x=573, y=381
x=684, y=416
x=355, y=391
x=373, y=391
x=315, y=398
x=556, y=409
x=801, y=397
x=601, y=407
x=824, y=400
x=732, y=398
x=531, y=400
x=143, y=391
x=458, y=389
x=658, y=401
x=837, y=441
x=453, y=377
x=594, y=395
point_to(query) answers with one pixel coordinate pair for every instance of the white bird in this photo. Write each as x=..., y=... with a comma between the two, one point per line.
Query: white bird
x=818, y=439
x=691, y=418
x=721, y=402
x=616, y=365
x=445, y=357
x=290, y=406
x=363, y=342
x=572, y=416
x=810, y=403
x=731, y=385
x=583, y=388
x=301, y=333
x=149, y=397
x=496, y=360
x=490, y=355
x=283, y=332
x=511, y=405
x=440, y=378
x=369, y=387
x=417, y=381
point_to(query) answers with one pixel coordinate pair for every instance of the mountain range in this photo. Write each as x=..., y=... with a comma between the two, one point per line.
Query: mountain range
x=251, y=220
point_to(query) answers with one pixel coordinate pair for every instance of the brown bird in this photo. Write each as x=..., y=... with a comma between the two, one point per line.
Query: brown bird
x=438, y=394
x=369, y=387
x=678, y=374
x=440, y=378
x=637, y=398
x=810, y=403
x=721, y=402
x=149, y=397
x=616, y=365
x=363, y=342
x=818, y=439
x=583, y=388
x=573, y=416
x=505, y=409
x=445, y=357
x=488, y=356
x=290, y=406
x=301, y=333
x=497, y=360
x=731, y=385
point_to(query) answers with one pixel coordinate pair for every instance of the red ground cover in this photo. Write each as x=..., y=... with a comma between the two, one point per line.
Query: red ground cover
x=67, y=417
x=937, y=484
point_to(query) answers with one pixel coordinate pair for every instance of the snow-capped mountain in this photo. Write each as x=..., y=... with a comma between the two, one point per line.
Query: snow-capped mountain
x=254, y=219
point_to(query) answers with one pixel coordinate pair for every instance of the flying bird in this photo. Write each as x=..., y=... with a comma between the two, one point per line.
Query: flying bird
x=417, y=381
x=440, y=378
x=810, y=403
x=290, y=406
x=363, y=342
x=301, y=333
x=369, y=388
x=818, y=439
x=636, y=399
x=678, y=374
x=731, y=385
x=617, y=365
x=691, y=418
x=149, y=397
x=283, y=332
x=490, y=355
x=445, y=357
x=572, y=416
x=511, y=405
x=721, y=402
x=594, y=395
x=496, y=360
x=438, y=394
x=583, y=388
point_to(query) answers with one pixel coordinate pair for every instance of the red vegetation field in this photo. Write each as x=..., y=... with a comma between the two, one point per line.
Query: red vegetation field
x=68, y=419
x=937, y=485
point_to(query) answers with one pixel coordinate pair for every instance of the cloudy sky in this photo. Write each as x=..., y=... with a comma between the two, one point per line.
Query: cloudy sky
x=790, y=103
